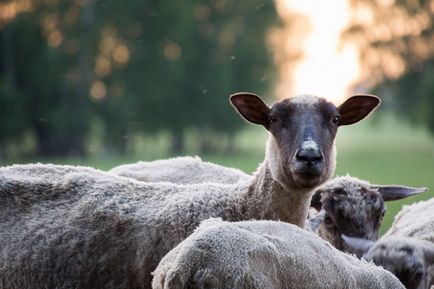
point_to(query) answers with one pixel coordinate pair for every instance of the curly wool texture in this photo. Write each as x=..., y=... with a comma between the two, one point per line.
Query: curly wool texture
x=415, y=220
x=77, y=227
x=264, y=254
x=413, y=231
x=181, y=170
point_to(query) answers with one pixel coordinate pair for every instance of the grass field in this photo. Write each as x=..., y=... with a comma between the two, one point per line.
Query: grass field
x=383, y=151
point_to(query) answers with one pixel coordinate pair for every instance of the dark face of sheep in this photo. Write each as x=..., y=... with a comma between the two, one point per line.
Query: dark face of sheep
x=355, y=213
x=301, y=148
x=406, y=258
x=354, y=208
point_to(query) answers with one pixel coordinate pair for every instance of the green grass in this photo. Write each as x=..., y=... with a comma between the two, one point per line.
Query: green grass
x=382, y=151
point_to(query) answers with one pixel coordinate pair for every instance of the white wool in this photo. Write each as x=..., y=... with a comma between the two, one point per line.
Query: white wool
x=181, y=170
x=55, y=219
x=413, y=229
x=415, y=220
x=263, y=254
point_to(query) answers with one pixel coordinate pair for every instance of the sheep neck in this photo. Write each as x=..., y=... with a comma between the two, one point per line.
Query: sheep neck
x=268, y=199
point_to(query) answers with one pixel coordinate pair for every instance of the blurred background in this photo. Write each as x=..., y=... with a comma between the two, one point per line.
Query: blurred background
x=107, y=82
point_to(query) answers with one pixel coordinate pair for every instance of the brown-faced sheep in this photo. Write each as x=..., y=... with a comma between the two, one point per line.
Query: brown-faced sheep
x=75, y=227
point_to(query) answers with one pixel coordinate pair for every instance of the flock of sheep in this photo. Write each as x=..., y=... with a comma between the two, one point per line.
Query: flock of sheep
x=185, y=223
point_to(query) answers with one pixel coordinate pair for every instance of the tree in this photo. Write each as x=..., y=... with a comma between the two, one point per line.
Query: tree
x=135, y=66
x=395, y=40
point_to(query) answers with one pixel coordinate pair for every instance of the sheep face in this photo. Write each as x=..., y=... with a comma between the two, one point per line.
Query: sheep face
x=355, y=208
x=359, y=216
x=301, y=150
x=407, y=259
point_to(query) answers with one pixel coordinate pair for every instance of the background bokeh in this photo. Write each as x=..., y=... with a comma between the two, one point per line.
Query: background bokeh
x=106, y=82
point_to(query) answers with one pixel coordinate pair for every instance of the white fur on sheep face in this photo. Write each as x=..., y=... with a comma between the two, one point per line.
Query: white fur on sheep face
x=301, y=148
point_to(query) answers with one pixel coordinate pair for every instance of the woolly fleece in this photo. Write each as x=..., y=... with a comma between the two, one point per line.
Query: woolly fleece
x=264, y=254
x=181, y=170
x=77, y=227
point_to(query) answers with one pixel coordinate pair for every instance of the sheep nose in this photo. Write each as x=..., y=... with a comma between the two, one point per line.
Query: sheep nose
x=309, y=155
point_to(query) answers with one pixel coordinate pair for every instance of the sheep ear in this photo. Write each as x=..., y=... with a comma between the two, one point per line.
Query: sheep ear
x=316, y=220
x=394, y=192
x=358, y=244
x=357, y=107
x=315, y=202
x=251, y=107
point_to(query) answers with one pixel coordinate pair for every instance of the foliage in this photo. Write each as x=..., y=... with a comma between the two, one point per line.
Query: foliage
x=134, y=66
x=394, y=36
x=395, y=40
x=414, y=92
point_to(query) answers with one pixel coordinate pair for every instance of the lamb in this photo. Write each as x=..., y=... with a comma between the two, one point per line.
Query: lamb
x=263, y=254
x=181, y=170
x=55, y=219
x=353, y=207
x=407, y=248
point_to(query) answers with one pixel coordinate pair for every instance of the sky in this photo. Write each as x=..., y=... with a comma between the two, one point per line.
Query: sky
x=327, y=69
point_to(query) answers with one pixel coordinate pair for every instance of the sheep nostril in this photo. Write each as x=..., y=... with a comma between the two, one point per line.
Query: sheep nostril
x=309, y=156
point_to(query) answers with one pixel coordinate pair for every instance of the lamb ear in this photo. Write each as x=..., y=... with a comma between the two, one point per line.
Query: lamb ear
x=357, y=107
x=315, y=202
x=316, y=220
x=395, y=192
x=251, y=107
x=359, y=244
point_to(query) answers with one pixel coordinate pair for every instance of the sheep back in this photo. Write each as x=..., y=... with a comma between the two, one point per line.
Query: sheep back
x=181, y=170
x=263, y=254
x=77, y=227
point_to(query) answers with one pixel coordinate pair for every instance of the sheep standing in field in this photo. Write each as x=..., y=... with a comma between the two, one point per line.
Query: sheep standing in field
x=407, y=248
x=353, y=207
x=263, y=254
x=66, y=227
x=181, y=170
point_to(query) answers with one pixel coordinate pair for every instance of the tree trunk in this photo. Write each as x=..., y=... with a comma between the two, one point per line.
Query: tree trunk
x=177, y=145
x=9, y=58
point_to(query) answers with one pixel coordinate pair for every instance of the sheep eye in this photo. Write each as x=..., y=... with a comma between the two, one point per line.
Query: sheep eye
x=336, y=119
x=273, y=119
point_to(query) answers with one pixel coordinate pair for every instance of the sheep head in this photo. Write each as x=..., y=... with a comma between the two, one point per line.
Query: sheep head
x=355, y=208
x=407, y=258
x=301, y=149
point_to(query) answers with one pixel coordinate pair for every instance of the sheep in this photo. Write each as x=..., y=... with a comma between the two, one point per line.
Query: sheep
x=407, y=248
x=353, y=207
x=181, y=170
x=66, y=218
x=263, y=254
